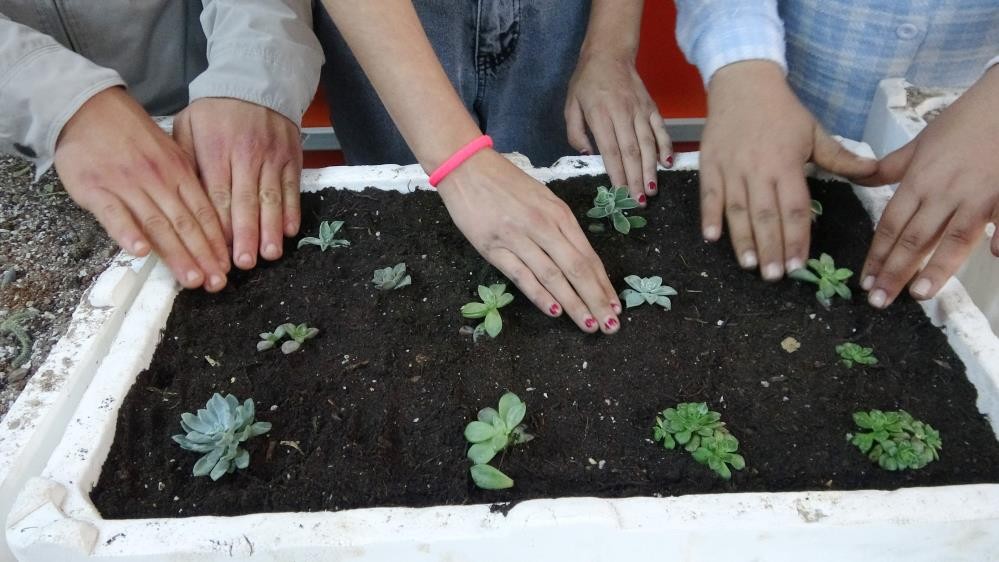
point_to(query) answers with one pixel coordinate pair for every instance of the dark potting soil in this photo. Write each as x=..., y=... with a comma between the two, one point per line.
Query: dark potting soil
x=371, y=411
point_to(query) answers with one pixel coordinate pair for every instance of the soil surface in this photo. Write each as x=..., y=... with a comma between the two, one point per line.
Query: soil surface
x=50, y=252
x=371, y=412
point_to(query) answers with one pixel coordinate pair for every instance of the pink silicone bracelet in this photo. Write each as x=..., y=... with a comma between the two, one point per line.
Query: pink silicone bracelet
x=466, y=152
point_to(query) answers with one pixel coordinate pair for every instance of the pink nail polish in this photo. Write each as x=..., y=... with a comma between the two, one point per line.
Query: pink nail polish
x=590, y=322
x=669, y=161
x=554, y=309
x=584, y=152
x=653, y=187
x=641, y=199
x=611, y=323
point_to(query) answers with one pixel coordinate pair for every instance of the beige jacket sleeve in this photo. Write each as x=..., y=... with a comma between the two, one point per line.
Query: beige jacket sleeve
x=42, y=84
x=261, y=51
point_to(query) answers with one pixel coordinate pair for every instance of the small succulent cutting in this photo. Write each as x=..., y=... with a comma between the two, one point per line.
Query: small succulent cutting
x=647, y=290
x=494, y=297
x=851, y=354
x=297, y=335
x=612, y=203
x=14, y=325
x=218, y=431
x=700, y=432
x=326, y=240
x=816, y=210
x=895, y=440
x=830, y=279
x=391, y=278
x=493, y=431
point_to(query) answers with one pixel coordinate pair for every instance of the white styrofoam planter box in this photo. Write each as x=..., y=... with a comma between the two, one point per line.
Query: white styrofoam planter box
x=35, y=423
x=899, y=113
x=54, y=520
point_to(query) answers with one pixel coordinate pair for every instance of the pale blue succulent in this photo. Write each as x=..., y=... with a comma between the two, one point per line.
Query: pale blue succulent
x=647, y=290
x=218, y=430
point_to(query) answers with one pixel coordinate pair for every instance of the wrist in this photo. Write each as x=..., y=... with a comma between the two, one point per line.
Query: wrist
x=473, y=170
x=744, y=78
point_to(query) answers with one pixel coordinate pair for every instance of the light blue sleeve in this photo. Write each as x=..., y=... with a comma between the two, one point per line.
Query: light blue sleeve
x=715, y=33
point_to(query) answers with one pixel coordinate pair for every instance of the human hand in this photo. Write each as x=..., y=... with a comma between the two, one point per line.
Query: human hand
x=949, y=191
x=756, y=142
x=607, y=95
x=116, y=163
x=532, y=237
x=250, y=161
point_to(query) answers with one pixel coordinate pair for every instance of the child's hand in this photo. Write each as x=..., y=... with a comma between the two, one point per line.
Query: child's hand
x=949, y=191
x=757, y=140
x=607, y=95
x=532, y=237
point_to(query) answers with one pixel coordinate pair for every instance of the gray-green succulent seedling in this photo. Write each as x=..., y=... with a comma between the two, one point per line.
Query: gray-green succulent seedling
x=701, y=433
x=391, y=278
x=494, y=297
x=326, y=239
x=647, y=290
x=830, y=279
x=895, y=440
x=14, y=325
x=270, y=339
x=298, y=334
x=612, y=203
x=494, y=430
x=852, y=353
x=218, y=431
x=816, y=210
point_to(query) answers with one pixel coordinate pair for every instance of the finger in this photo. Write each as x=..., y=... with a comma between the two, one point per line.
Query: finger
x=291, y=187
x=647, y=144
x=571, y=230
x=891, y=168
x=271, y=212
x=740, y=230
x=712, y=203
x=663, y=140
x=580, y=273
x=245, y=213
x=159, y=229
x=764, y=215
x=995, y=235
x=795, y=217
x=603, y=132
x=575, y=125
x=117, y=221
x=520, y=275
x=832, y=156
x=188, y=229
x=193, y=196
x=959, y=238
x=912, y=245
x=215, y=170
x=896, y=215
x=555, y=284
x=631, y=156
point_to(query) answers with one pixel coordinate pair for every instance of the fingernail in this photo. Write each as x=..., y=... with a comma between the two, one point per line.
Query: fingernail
x=271, y=250
x=590, y=322
x=867, y=283
x=711, y=233
x=669, y=161
x=193, y=276
x=616, y=306
x=246, y=260
x=215, y=281
x=877, y=299
x=641, y=199
x=611, y=323
x=921, y=288
x=139, y=248
x=653, y=187
x=794, y=264
x=554, y=309
x=584, y=152
x=749, y=259
x=772, y=271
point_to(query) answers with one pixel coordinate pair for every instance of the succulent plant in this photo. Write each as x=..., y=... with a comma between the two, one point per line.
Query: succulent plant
x=647, y=290
x=701, y=433
x=816, y=210
x=830, y=279
x=391, y=278
x=327, y=232
x=612, y=203
x=270, y=339
x=297, y=335
x=895, y=440
x=493, y=430
x=14, y=325
x=218, y=431
x=718, y=451
x=494, y=297
x=852, y=353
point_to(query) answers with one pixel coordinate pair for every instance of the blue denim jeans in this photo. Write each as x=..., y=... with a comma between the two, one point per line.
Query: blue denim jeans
x=509, y=60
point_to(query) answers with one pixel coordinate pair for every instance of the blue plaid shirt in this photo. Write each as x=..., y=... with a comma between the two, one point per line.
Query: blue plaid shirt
x=836, y=51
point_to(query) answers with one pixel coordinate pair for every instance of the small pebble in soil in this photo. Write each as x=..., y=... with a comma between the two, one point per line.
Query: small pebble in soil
x=765, y=384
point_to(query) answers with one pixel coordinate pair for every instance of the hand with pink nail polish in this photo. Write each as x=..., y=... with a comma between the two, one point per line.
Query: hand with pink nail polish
x=250, y=160
x=949, y=191
x=756, y=142
x=607, y=96
x=115, y=162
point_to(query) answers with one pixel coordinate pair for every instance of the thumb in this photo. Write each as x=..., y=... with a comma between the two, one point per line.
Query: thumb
x=892, y=167
x=834, y=157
